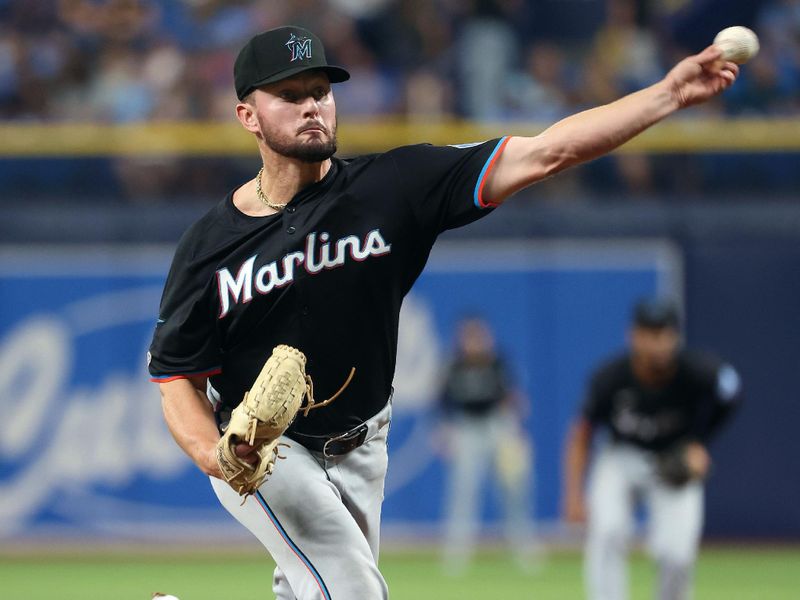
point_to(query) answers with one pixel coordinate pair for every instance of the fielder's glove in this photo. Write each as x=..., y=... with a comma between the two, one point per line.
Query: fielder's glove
x=673, y=467
x=264, y=414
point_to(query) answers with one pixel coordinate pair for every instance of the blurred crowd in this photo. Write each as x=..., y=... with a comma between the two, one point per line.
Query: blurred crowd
x=122, y=61
x=135, y=60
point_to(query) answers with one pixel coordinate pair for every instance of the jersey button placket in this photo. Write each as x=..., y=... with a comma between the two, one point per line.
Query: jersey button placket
x=290, y=230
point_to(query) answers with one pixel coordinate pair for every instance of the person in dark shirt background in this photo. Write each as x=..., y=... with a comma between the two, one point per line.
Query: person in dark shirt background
x=657, y=400
x=483, y=416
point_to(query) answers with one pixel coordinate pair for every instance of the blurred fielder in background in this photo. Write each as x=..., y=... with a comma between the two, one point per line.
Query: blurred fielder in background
x=661, y=405
x=483, y=431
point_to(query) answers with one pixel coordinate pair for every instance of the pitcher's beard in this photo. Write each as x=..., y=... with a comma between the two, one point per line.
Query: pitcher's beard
x=309, y=151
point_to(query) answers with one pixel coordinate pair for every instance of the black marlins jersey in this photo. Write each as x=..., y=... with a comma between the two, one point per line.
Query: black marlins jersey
x=475, y=388
x=326, y=275
x=692, y=405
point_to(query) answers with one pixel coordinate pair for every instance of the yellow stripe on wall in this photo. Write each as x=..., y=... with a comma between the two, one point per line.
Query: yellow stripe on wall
x=229, y=139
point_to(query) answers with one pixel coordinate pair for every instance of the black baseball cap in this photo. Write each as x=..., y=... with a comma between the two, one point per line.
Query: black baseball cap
x=656, y=313
x=280, y=53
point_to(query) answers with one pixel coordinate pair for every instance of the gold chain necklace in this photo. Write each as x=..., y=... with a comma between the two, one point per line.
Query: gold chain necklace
x=263, y=197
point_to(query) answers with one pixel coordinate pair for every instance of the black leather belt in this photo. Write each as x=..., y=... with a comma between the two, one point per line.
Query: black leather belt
x=332, y=445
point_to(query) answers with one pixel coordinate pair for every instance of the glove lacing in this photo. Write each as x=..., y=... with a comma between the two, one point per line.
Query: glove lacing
x=310, y=393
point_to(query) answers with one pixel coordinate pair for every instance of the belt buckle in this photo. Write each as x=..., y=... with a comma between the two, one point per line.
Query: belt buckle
x=344, y=443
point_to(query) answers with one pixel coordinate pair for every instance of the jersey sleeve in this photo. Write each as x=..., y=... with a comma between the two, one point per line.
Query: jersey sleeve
x=721, y=395
x=185, y=341
x=505, y=378
x=447, y=403
x=596, y=407
x=445, y=184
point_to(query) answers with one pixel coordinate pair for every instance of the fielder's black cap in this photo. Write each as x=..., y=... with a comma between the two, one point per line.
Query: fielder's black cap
x=280, y=53
x=656, y=313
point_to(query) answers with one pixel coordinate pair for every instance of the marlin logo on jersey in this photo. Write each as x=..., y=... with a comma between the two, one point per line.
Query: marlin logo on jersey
x=317, y=255
x=300, y=47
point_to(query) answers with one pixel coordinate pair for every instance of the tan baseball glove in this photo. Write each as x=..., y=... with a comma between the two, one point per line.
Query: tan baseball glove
x=266, y=411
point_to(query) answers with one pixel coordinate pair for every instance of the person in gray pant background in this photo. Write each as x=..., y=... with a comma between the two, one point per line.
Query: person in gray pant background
x=661, y=405
x=482, y=431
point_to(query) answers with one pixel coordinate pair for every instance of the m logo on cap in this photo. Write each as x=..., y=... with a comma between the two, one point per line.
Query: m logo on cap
x=299, y=47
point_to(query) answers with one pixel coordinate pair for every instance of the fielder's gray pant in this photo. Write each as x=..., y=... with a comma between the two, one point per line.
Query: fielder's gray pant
x=621, y=474
x=320, y=519
x=477, y=453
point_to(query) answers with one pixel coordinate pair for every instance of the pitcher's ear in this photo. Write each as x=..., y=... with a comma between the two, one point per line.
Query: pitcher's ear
x=246, y=113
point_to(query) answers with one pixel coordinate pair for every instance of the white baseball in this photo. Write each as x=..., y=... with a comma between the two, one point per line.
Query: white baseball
x=160, y=596
x=738, y=44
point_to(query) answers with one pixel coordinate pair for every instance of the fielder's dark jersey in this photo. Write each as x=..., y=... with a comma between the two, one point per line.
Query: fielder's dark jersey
x=474, y=389
x=692, y=405
x=326, y=275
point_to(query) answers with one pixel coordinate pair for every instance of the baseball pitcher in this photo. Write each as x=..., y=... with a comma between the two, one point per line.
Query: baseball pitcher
x=276, y=342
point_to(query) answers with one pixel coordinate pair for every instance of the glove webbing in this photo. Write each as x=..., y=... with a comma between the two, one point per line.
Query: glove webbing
x=311, y=404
